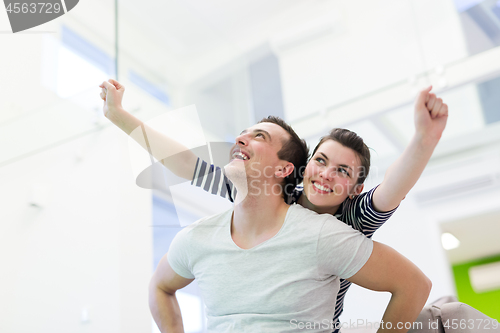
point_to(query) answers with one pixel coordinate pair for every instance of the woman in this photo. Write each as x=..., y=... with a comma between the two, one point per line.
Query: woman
x=334, y=176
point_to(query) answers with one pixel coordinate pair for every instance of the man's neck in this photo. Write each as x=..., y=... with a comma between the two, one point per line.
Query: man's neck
x=257, y=218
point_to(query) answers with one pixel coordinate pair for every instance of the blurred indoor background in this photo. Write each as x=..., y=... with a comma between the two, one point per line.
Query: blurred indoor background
x=79, y=239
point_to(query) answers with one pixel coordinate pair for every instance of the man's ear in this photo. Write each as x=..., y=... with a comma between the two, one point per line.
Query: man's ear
x=284, y=170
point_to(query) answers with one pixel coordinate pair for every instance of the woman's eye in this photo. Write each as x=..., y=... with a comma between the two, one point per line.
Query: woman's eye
x=259, y=134
x=320, y=160
x=344, y=171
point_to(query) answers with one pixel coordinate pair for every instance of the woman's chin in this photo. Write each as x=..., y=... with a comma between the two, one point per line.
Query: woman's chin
x=322, y=201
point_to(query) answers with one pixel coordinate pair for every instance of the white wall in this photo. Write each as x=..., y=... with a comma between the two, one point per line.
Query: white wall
x=89, y=246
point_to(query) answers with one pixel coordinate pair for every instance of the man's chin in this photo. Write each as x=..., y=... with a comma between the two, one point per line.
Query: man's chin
x=236, y=173
x=235, y=168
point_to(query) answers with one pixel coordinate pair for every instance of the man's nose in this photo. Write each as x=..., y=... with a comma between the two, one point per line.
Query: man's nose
x=242, y=140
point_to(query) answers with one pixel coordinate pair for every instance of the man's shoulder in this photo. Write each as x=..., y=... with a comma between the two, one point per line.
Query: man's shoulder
x=206, y=224
x=323, y=221
x=197, y=239
x=216, y=218
x=302, y=212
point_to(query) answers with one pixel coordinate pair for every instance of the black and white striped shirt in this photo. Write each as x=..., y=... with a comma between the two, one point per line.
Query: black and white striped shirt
x=358, y=212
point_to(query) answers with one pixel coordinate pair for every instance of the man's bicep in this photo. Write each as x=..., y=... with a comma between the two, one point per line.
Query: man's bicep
x=385, y=270
x=166, y=279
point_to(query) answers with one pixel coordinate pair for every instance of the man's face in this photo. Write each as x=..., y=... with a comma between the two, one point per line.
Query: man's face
x=255, y=153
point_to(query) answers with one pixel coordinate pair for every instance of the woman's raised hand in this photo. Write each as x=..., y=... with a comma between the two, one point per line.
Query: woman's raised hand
x=431, y=115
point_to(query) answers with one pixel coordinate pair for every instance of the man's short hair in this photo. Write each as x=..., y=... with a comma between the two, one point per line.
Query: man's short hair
x=295, y=151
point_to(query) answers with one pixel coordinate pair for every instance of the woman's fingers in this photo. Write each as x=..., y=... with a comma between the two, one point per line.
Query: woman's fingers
x=443, y=111
x=431, y=102
x=436, y=108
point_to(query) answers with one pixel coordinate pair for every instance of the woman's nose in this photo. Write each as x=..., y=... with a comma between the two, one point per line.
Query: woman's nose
x=327, y=174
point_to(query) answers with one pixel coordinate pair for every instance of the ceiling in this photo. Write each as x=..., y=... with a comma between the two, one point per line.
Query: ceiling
x=203, y=34
x=191, y=27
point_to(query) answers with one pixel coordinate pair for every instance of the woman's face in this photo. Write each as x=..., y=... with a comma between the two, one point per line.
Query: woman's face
x=331, y=175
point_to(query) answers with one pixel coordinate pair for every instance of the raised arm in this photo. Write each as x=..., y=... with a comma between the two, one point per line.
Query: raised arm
x=387, y=270
x=173, y=155
x=431, y=115
x=162, y=301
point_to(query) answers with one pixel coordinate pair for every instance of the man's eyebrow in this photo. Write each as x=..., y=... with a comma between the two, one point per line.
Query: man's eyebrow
x=258, y=131
x=265, y=132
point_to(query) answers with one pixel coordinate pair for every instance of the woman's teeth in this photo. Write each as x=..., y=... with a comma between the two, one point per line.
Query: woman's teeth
x=322, y=188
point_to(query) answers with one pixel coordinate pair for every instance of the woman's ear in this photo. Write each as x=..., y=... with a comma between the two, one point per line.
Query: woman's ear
x=358, y=189
x=284, y=170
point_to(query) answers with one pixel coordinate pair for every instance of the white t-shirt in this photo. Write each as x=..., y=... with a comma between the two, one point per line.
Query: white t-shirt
x=286, y=284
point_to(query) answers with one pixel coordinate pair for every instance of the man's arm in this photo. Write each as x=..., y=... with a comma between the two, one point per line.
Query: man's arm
x=173, y=155
x=162, y=301
x=431, y=115
x=387, y=270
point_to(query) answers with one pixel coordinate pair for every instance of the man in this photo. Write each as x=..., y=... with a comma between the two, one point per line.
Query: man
x=268, y=267
x=265, y=266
